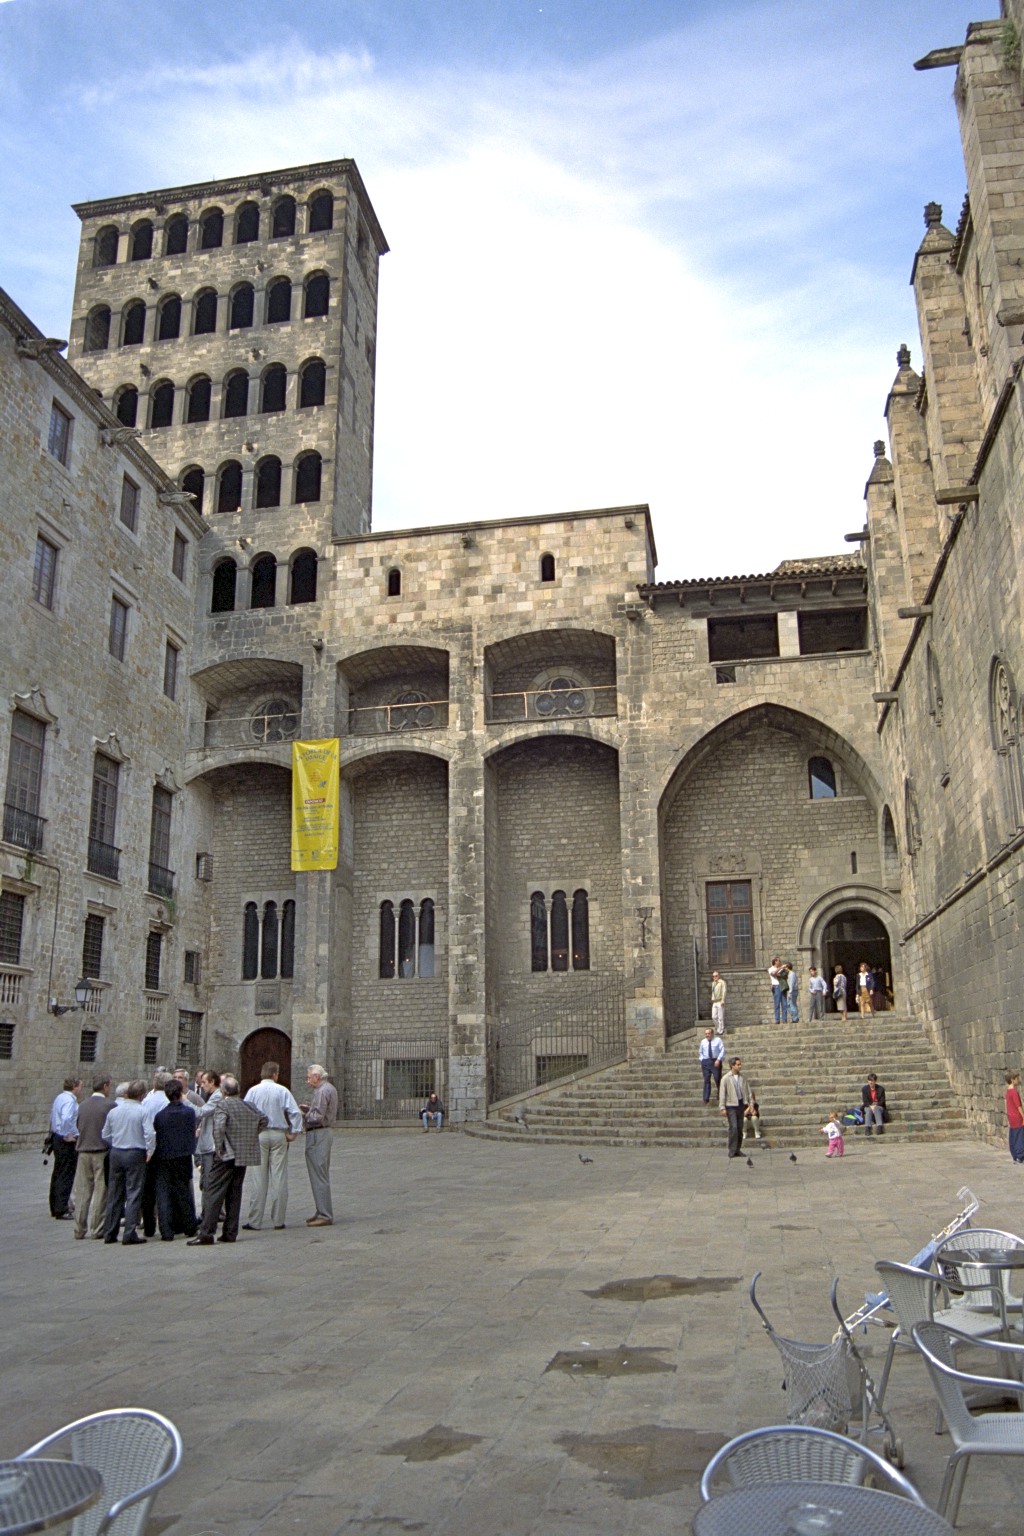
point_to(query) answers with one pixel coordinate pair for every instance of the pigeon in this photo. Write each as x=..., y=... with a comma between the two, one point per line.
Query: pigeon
x=750, y=1162
x=792, y=1157
x=584, y=1159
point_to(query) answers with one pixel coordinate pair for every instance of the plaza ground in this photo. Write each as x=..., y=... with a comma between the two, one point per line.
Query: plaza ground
x=391, y=1373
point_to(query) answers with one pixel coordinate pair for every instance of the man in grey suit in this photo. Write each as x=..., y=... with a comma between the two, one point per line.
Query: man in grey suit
x=91, y=1174
x=318, y=1116
x=733, y=1098
x=236, y=1147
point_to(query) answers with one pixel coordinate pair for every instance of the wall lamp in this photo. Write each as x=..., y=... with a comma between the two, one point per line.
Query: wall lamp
x=83, y=992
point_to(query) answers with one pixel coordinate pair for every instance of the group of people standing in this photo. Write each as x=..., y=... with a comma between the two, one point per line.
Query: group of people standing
x=125, y=1158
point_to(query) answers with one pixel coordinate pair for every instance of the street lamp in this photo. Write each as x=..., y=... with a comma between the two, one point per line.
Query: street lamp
x=83, y=992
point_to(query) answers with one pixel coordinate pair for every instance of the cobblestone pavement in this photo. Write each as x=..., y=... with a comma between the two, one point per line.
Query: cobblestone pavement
x=391, y=1373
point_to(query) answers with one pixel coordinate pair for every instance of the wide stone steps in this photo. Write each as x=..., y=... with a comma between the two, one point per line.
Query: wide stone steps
x=799, y=1072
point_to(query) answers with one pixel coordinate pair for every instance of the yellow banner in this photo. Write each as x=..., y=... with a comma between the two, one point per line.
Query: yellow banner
x=315, y=776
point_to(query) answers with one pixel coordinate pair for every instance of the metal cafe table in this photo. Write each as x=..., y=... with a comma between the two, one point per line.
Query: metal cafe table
x=815, y=1509
x=39, y=1493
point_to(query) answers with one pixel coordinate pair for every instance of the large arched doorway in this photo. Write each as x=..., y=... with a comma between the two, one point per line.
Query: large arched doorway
x=265, y=1045
x=848, y=939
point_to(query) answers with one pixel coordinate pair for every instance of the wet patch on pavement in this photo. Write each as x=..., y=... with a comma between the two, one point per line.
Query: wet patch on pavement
x=645, y=1460
x=433, y=1444
x=655, y=1287
x=621, y=1361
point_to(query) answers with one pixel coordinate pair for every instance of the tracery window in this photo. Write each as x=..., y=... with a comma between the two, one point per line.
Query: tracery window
x=268, y=941
x=560, y=931
x=406, y=942
x=1005, y=715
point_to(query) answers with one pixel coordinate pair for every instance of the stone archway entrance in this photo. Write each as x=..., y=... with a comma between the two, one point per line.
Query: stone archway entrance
x=265, y=1045
x=851, y=937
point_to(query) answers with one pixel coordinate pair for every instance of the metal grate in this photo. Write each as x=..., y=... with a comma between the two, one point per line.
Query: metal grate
x=150, y=1047
x=388, y=1079
x=6, y=1041
x=12, y=917
x=550, y=1041
x=87, y=1045
x=190, y=1034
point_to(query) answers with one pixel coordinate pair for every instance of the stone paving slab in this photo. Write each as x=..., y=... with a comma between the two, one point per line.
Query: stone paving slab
x=390, y=1373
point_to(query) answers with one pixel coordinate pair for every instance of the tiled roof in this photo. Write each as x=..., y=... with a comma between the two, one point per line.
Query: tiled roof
x=824, y=565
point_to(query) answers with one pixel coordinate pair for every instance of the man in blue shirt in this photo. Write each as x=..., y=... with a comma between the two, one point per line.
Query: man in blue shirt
x=128, y=1132
x=64, y=1138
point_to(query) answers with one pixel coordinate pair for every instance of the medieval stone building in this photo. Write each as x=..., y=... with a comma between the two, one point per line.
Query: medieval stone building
x=568, y=789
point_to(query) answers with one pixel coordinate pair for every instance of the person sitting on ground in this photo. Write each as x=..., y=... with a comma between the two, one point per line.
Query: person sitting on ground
x=872, y=1096
x=433, y=1109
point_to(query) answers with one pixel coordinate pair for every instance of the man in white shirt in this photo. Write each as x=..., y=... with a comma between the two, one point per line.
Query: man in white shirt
x=718, y=990
x=284, y=1122
x=711, y=1056
x=63, y=1137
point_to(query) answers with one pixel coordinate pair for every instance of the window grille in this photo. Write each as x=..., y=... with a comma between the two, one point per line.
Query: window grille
x=411, y=1078
x=150, y=1048
x=87, y=1045
x=92, y=947
x=117, y=640
x=129, y=511
x=44, y=572
x=6, y=1041
x=190, y=1030
x=730, y=922
x=23, y=825
x=193, y=967
x=154, y=949
x=59, y=442
x=12, y=919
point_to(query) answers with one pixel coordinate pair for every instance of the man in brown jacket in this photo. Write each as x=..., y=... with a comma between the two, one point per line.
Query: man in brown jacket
x=236, y=1147
x=90, y=1194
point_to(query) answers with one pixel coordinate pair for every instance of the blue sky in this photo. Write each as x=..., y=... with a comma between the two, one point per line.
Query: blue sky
x=641, y=252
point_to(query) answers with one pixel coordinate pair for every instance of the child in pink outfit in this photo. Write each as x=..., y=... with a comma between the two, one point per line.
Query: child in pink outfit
x=834, y=1131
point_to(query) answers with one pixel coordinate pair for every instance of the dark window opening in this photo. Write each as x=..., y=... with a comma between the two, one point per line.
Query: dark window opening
x=268, y=483
x=243, y=307
x=547, y=567
x=538, y=932
x=580, y=931
x=822, y=779
x=394, y=583
x=168, y=326
x=126, y=405
x=6, y=1041
x=92, y=947
x=225, y=580
x=140, y=247
x=44, y=572
x=97, y=330
x=313, y=383
x=12, y=919
x=742, y=639
x=288, y=939
x=176, y=235
x=406, y=939
x=283, y=219
x=192, y=967
x=730, y=922
x=386, y=947
x=200, y=394
x=250, y=942
x=23, y=825
x=87, y=1042
x=559, y=932
x=161, y=404
x=129, y=509
x=247, y=223
x=303, y=577
x=154, y=952
x=236, y=395
x=263, y=592
x=321, y=212
x=279, y=301
x=205, y=313
x=117, y=634
x=229, y=487
x=194, y=482
x=307, y=478
x=211, y=230
x=274, y=385
x=150, y=1050
x=268, y=942
x=59, y=441
x=104, y=251
x=133, y=324
x=824, y=633
x=425, y=957
x=317, y=296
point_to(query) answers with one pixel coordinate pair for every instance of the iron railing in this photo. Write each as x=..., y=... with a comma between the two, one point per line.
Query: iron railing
x=104, y=858
x=23, y=829
x=549, y=1042
x=161, y=880
x=409, y=714
x=387, y=1080
x=253, y=730
x=561, y=700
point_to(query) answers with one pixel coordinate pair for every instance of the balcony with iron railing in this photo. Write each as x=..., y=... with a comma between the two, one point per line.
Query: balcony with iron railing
x=263, y=728
x=23, y=829
x=560, y=700
x=161, y=880
x=410, y=712
x=104, y=859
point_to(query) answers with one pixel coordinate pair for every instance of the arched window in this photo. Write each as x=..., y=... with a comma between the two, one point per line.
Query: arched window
x=425, y=956
x=104, y=249
x=386, y=948
x=243, y=307
x=168, y=323
x=247, y=223
x=176, y=235
x=394, y=582
x=250, y=942
x=822, y=779
x=97, y=329
x=283, y=218
x=140, y=244
x=538, y=932
x=161, y=404
x=225, y=579
x=199, y=392
x=126, y=405
x=263, y=592
x=229, y=487
x=580, y=931
x=321, y=212
x=204, y=312
x=272, y=389
x=193, y=483
x=406, y=939
x=307, y=478
x=303, y=577
x=316, y=295
x=268, y=945
x=890, y=852
x=279, y=301
x=313, y=382
x=547, y=567
x=268, y=482
x=211, y=230
x=288, y=939
x=133, y=323
x=236, y=394
x=1005, y=716
x=559, y=932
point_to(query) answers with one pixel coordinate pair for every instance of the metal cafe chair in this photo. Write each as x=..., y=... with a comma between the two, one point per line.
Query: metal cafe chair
x=797, y=1453
x=136, y=1451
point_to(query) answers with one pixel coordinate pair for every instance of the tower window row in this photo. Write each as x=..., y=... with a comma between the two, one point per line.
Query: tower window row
x=198, y=315
x=216, y=227
x=307, y=475
x=197, y=397
x=302, y=573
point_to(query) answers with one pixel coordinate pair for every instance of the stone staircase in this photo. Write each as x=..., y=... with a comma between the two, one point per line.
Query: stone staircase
x=799, y=1072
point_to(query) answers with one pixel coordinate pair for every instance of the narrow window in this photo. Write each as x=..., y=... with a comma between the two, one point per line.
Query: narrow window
x=12, y=918
x=193, y=481
x=176, y=235
x=288, y=939
x=179, y=555
x=283, y=221
x=317, y=296
x=44, y=572
x=279, y=301
x=92, y=947
x=204, y=312
x=247, y=223
x=23, y=826
x=580, y=931
x=425, y=956
x=104, y=251
x=59, y=441
x=197, y=407
x=250, y=942
x=406, y=939
x=170, y=670
x=303, y=577
x=268, y=944
x=730, y=919
x=243, y=307
x=133, y=323
x=129, y=512
x=268, y=482
x=192, y=967
x=6, y=1041
x=140, y=245
x=150, y=1050
x=87, y=1044
x=168, y=325
x=229, y=487
x=117, y=637
x=313, y=383
x=126, y=405
x=273, y=386
x=154, y=949
x=538, y=932
x=236, y=394
x=559, y=932
x=103, y=856
x=547, y=567
x=321, y=212
x=161, y=876
x=386, y=965
x=211, y=230
x=394, y=583
x=822, y=779
x=264, y=582
x=161, y=404
x=97, y=329
x=307, y=478
x=225, y=577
